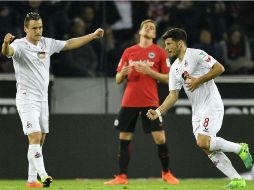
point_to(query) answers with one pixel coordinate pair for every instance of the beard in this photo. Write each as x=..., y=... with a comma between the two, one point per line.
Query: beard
x=149, y=36
x=172, y=59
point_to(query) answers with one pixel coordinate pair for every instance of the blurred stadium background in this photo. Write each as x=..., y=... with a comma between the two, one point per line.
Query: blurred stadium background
x=84, y=98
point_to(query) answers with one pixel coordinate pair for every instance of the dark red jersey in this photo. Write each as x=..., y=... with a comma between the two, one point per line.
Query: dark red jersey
x=141, y=90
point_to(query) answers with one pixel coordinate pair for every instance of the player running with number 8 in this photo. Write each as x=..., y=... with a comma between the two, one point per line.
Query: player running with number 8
x=194, y=70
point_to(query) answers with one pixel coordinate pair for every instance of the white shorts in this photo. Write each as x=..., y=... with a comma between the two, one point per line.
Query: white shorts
x=34, y=116
x=208, y=124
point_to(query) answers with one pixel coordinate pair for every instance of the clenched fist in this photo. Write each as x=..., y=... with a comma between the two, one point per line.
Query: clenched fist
x=152, y=114
x=8, y=38
x=98, y=33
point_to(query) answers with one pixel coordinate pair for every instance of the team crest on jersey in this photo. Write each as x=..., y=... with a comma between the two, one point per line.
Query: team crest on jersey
x=185, y=75
x=186, y=64
x=151, y=55
x=41, y=54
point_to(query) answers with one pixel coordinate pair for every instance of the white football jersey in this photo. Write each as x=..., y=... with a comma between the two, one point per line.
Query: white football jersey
x=206, y=98
x=31, y=63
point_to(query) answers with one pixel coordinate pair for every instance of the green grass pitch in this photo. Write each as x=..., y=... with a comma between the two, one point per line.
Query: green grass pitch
x=134, y=184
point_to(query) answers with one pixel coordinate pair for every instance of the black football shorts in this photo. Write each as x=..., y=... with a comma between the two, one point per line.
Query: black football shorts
x=127, y=119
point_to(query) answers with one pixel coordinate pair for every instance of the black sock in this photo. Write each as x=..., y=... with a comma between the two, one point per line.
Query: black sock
x=164, y=156
x=124, y=156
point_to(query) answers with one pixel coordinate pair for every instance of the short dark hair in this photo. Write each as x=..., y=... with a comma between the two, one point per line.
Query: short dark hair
x=31, y=16
x=176, y=34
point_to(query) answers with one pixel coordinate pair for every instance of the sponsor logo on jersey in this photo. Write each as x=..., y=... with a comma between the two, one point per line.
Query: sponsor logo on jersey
x=145, y=62
x=186, y=64
x=41, y=54
x=185, y=75
x=151, y=55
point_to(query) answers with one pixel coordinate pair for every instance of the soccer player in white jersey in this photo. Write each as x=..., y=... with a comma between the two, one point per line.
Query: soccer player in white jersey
x=31, y=59
x=194, y=70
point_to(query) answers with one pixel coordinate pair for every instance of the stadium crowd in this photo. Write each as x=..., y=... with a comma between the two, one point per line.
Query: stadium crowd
x=221, y=28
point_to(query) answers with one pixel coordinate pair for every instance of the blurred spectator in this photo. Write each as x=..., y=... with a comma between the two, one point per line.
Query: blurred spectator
x=245, y=15
x=6, y=23
x=158, y=11
x=111, y=53
x=59, y=20
x=88, y=15
x=81, y=62
x=139, y=13
x=6, y=65
x=134, y=40
x=41, y=7
x=125, y=11
x=207, y=44
x=214, y=17
x=123, y=27
x=189, y=16
x=5, y=20
x=236, y=52
x=124, y=16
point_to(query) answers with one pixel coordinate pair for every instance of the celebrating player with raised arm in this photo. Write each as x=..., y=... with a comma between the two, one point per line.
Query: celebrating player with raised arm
x=194, y=70
x=31, y=60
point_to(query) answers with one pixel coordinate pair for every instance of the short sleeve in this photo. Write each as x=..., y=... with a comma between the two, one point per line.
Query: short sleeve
x=123, y=60
x=56, y=45
x=204, y=59
x=173, y=83
x=16, y=48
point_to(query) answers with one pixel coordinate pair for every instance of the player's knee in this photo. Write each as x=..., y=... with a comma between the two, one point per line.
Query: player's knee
x=35, y=138
x=125, y=136
x=202, y=144
x=160, y=139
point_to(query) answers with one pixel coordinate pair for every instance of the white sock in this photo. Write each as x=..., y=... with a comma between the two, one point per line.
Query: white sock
x=220, y=144
x=32, y=172
x=35, y=153
x=222, y=162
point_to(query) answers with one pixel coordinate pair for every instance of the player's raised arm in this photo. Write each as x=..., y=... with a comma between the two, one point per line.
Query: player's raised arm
x=6, y=49
x=166, y=105
x=74, y=43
